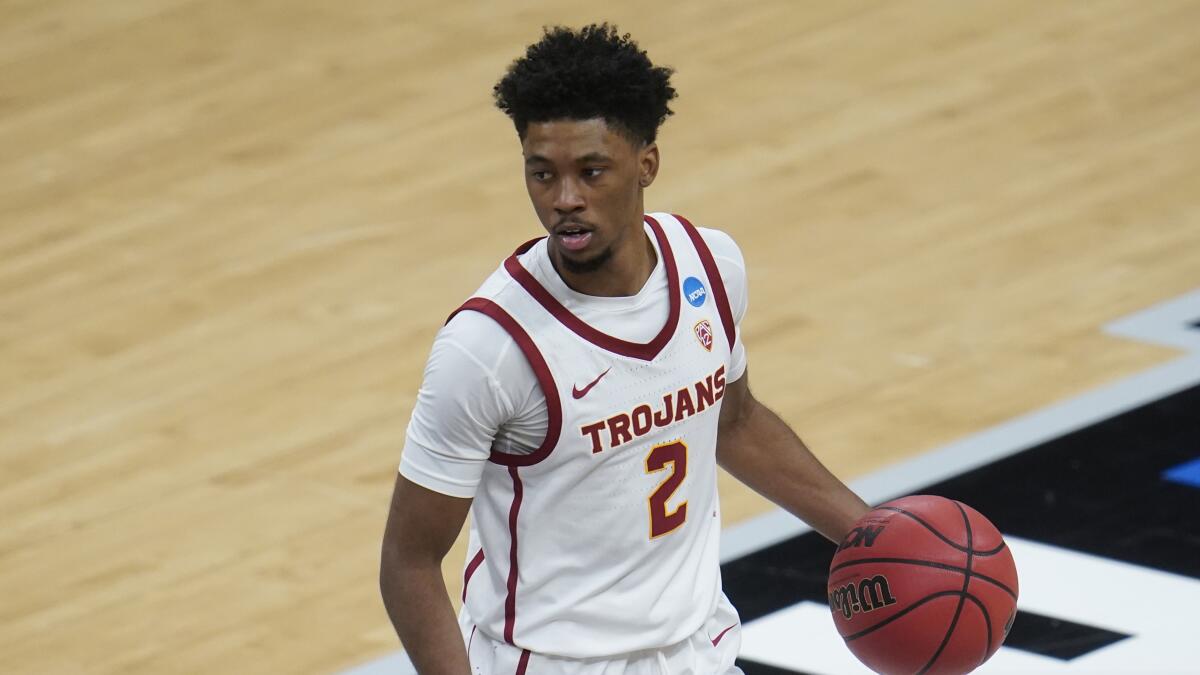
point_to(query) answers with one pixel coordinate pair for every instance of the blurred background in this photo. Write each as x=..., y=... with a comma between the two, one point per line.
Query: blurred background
x=229, y=231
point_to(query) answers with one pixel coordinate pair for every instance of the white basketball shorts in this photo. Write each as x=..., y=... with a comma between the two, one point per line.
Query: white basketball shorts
x=709, y=651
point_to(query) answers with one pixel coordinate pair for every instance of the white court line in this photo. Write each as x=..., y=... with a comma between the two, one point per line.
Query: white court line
x=1166, y=324
x=1130, y=602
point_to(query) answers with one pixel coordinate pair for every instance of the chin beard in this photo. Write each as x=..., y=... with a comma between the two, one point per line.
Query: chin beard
x=586, y=266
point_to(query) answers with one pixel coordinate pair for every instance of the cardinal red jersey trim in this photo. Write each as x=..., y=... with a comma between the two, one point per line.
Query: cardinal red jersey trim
x=644, y=351
x=510, y=602
x=714, y=278
x=540, y=369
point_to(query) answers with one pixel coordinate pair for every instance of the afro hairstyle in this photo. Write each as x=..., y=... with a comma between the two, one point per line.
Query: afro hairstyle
x=594, y=72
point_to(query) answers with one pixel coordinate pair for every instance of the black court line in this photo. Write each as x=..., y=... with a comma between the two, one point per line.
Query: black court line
x=1058, y=638
x=756, y=668
x=1098, y=490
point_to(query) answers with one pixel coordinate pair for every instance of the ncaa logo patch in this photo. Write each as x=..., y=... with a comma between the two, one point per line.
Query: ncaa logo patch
x=703, y=331
x=694, y=291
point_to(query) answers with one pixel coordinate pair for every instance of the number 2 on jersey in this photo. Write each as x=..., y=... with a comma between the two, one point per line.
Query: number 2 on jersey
x=673, y=454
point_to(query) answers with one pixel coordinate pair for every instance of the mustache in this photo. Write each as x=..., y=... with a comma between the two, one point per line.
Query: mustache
x=571, y=220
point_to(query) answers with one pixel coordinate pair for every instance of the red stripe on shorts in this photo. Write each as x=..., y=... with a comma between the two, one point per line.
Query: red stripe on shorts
x=474, y=565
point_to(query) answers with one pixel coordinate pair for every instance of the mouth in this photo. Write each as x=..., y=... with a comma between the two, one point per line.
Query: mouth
x=573, y=236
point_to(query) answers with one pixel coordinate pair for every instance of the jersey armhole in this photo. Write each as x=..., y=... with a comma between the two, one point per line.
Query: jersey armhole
x=540, y=369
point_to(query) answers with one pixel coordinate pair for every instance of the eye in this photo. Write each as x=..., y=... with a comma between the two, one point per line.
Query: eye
x=540, y=176
x=593, y=171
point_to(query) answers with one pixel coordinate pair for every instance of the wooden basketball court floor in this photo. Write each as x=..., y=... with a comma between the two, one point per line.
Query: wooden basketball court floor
x=229, y=231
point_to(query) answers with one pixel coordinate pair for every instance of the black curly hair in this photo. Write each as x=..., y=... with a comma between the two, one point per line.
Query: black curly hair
x=580, y=75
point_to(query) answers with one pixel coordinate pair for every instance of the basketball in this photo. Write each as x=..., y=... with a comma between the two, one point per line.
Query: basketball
x=923, y=584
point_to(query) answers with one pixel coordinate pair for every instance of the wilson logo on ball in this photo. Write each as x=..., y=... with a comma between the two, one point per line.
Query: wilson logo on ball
x=861, y=536
x=864, y=596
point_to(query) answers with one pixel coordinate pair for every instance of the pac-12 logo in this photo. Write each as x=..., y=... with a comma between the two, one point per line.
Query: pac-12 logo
x=704, y=333
x=694, y=291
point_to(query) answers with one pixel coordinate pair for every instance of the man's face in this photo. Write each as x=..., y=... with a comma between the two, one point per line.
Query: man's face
x=585, y=181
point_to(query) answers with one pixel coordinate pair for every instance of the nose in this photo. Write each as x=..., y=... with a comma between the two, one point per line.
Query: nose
x=569, y=197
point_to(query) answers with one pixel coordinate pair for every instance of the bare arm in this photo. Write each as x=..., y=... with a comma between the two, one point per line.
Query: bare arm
x=763, y=452
x=421, y=528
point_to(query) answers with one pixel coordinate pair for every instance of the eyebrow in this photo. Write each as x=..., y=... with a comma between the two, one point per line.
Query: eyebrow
x=585, y=159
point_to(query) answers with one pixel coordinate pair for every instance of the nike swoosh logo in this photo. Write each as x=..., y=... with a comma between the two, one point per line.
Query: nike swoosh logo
x=580, y=393
x=720, y=635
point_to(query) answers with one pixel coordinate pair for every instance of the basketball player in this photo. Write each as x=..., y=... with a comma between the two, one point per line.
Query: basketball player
x=578, y=405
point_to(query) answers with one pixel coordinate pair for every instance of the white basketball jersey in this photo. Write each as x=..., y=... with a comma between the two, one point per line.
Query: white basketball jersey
x=604, y=540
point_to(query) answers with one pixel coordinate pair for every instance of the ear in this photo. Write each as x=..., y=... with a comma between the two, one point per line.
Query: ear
x=647, y=164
